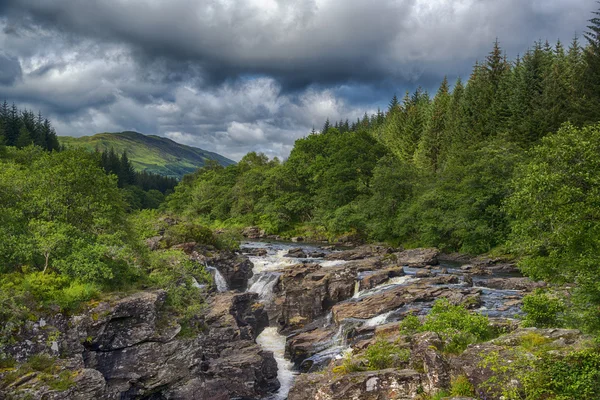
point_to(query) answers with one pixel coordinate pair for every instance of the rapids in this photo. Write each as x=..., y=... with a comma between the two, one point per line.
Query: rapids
x=266, y=275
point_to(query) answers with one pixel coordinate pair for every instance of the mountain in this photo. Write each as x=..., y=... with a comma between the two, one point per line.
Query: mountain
x=149, y=152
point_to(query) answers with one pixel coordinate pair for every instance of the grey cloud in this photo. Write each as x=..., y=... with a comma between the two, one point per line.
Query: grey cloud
x=235, y=76
x=10, y=69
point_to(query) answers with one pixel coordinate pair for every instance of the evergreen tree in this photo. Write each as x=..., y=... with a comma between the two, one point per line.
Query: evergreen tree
x=591, y=75
x=326, y=126
x=24, y=138
x=430, y=145
x=126, y=172
x=394, y=104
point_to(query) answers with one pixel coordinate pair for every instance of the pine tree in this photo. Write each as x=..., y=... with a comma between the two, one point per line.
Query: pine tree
x=126, y=173
x=24, y=138
x=429, y=150
x=326, y=126
x=394, y=104
x=591, y=75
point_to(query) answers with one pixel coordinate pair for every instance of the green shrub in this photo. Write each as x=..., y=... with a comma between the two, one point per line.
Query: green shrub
x=542, y=309
x=349, y=365
x=460, y=386
x=574, y=376
x=383, y=354
x=458, y=326
x=410, y=324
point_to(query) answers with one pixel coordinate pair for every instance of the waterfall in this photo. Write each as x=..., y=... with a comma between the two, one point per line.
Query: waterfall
x=220, y=282
x=270, y=340
x=263, y=284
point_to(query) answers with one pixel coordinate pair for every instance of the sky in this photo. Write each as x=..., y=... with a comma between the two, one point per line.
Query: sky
x=234, y=76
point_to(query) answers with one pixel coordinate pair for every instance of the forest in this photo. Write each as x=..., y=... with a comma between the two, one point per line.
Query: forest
x=505, y=164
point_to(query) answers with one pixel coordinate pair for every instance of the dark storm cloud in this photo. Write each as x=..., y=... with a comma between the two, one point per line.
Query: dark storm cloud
x=239, y=75
x=10, y=69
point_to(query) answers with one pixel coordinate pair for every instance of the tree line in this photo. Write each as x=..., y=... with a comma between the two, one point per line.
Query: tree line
x=21, y=128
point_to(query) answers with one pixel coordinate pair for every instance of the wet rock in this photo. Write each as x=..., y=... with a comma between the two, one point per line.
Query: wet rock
x=253, y=232
x=467, y=280
x=296, y=253
x=426, y=355
x=309, y=290
x=316, y=254
x=130, y=349
x=423, y=273
x=364, y=265
x=371, y=306
x=360, y=253
x=297, y=239
x=235, y=268
x=256, y=252
x=418, y=257
x=305, y=344
x=525, y=284
x=371, y=280
x=369, y=385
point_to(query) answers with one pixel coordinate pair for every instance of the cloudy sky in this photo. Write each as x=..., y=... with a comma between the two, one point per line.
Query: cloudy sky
x=234, y=76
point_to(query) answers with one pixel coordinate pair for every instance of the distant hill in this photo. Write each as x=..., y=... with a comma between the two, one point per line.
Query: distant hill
x=148, y=152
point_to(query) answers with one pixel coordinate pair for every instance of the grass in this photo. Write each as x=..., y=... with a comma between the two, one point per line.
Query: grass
x=149, y=153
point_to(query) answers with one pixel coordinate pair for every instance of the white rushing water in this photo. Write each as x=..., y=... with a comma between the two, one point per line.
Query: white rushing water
x=220, y=282
x=272, y=261
x=270, y=340
x=263, y=284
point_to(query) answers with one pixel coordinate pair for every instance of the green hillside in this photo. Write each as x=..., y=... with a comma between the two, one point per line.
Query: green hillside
x=149, y=153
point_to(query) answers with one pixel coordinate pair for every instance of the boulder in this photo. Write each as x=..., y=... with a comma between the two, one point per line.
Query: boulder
x=369, y=385
x=525, y=284
x=371, y=280
x=308, y=291
x=296, y=253
x=423, y=273
x=426, y=355
x=360, y=253
x=253, y=232
x=418, y=257
x=303, y=345
x=256, y=252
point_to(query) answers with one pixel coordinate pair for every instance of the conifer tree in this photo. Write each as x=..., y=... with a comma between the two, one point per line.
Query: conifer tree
x=430, y=145
x=591, y=75
x=24, y=138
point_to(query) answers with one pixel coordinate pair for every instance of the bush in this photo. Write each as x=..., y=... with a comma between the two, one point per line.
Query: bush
x=383, y=354
x=461, y=386
x=574, y=376
x=410, y=324
x=542, y=309
x=457, y=325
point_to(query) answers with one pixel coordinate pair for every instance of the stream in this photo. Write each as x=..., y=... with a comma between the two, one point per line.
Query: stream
x=266, y=271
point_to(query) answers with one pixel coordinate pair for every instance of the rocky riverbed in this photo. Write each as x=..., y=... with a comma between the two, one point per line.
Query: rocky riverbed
x=281, y=319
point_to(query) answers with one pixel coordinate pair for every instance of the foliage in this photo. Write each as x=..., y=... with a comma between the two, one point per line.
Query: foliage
x=457, y=325
x=542, y=309
x=47, y=369
x=544, y=373
x=410, y=324
x=460, y=386
x=383, y=354
x=59, y=211
x=555, y=215
x=173, y=271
